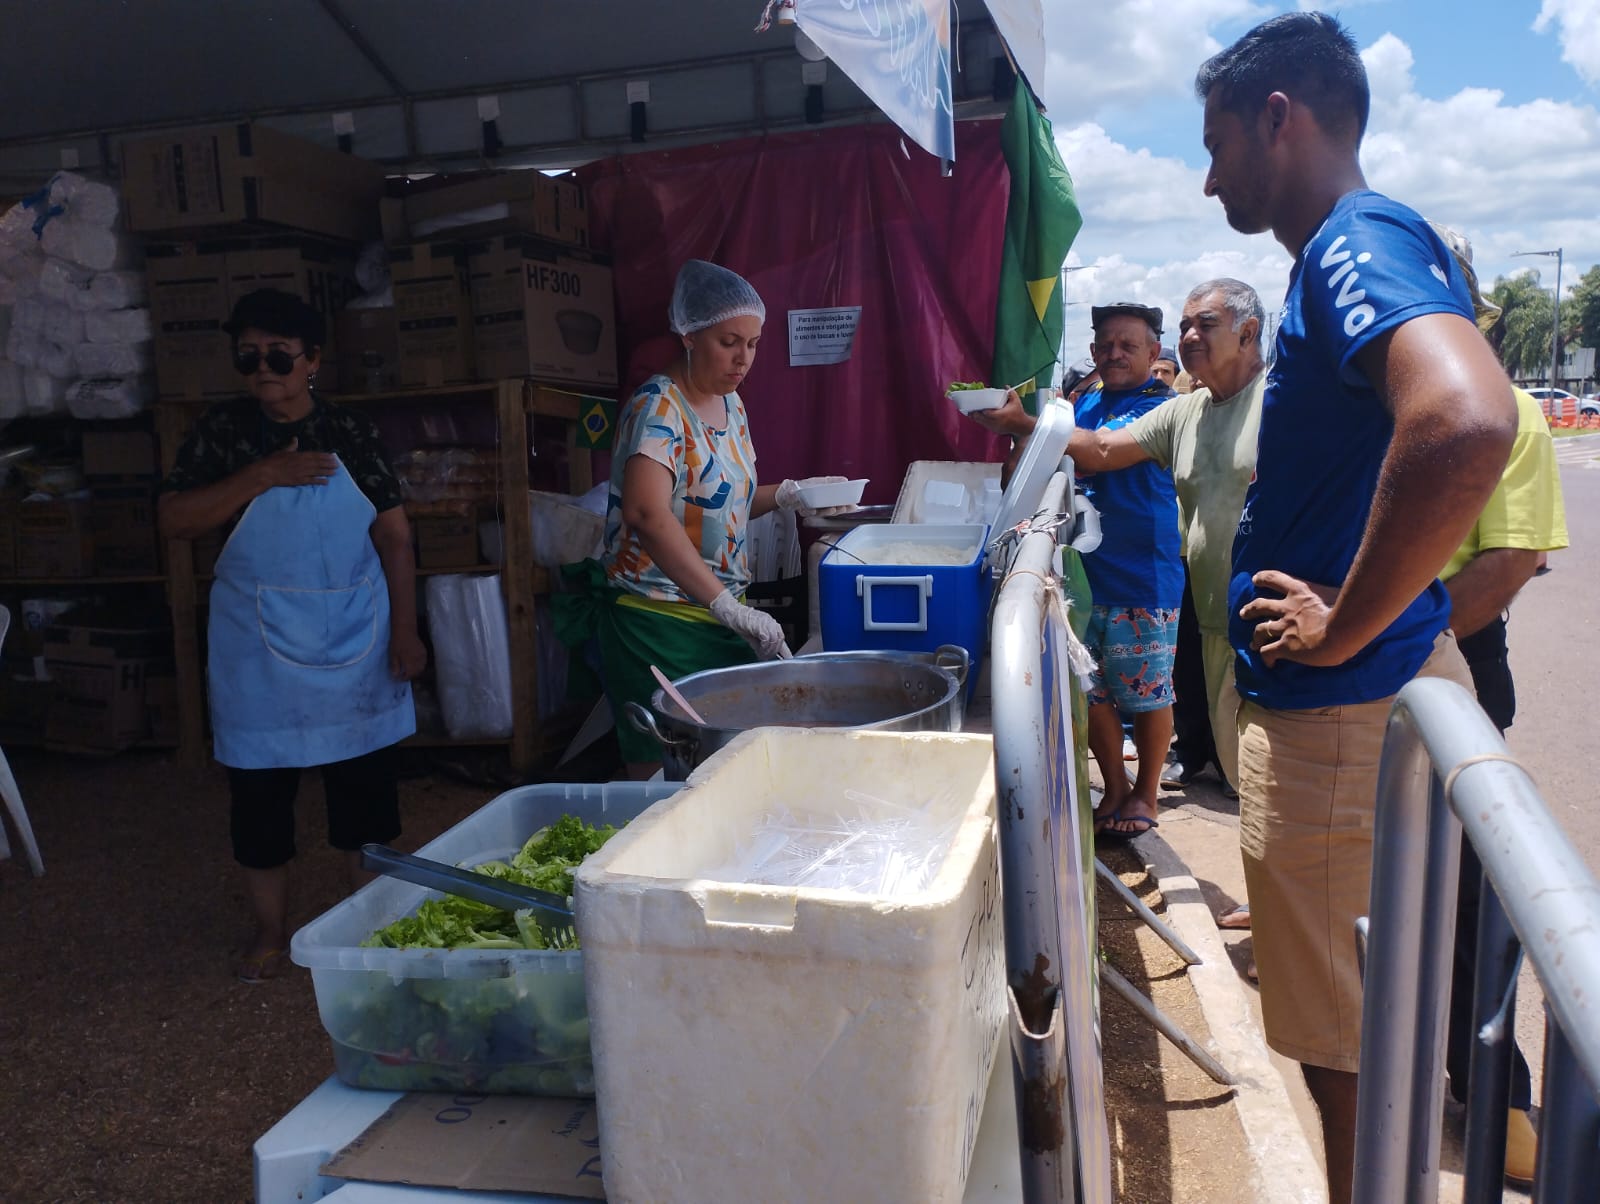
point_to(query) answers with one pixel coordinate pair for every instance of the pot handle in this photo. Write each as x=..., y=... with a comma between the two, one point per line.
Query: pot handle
x=644, y=722
x=954, y=658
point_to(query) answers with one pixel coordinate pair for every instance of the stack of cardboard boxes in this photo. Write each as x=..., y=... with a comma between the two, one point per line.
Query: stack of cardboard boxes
x=492, y=276
x=208, y=202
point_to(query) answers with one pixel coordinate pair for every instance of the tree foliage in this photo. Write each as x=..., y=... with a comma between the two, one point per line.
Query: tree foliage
x=1580, y=312
x=1525, y=312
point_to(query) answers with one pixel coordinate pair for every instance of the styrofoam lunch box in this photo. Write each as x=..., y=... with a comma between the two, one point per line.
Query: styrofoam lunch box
x=834, y=493
x=503, y=1021
x=757, y=1042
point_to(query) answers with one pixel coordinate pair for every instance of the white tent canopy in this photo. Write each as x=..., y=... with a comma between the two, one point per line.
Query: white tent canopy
x=405, y=78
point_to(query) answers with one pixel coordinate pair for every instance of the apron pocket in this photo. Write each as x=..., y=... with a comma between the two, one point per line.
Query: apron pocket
x=318, y=628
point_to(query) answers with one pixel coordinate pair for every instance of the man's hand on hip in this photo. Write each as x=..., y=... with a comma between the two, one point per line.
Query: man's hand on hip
x=1295, y=626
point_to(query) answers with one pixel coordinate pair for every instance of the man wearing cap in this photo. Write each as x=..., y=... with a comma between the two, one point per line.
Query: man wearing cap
x=1385, y=426
x=1166, y=368
x=1524, y=518
x=1136, y=574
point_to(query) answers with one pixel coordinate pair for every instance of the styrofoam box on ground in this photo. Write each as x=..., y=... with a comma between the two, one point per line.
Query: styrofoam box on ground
x=509, y=1021
x=762, y=1043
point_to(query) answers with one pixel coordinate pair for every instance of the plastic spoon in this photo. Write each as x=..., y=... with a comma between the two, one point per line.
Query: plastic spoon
x=677, y=697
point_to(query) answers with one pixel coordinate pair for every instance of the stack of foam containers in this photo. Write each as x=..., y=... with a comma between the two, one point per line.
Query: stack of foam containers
x=76, y=333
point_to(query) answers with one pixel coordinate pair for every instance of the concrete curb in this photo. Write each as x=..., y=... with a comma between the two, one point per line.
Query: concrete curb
x=1286, y=1169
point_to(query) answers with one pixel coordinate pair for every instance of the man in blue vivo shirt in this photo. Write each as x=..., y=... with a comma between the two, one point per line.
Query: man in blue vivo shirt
x=1385, y=426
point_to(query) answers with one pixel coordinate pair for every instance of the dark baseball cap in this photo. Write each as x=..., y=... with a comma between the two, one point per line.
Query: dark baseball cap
x=1148, y=314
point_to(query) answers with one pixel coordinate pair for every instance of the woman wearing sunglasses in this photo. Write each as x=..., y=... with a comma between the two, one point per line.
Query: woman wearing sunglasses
x=312, y=640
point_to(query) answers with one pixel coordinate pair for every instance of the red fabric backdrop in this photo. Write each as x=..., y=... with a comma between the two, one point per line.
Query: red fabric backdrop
x=826, y=218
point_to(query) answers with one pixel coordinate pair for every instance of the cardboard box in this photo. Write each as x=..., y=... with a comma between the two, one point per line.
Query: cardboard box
x=322, y=273
x=542, y=310
x=508, y=202
x=99, y=676
x=54, y=539
x=118, y=455
x=369, y=350
x=188, y=289
x=125, y=540
x=226, y=175
x=446, y=542
x=433, y=314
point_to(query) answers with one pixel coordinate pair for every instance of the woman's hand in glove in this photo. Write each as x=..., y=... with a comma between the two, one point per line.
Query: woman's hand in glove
x=759, y=629
x=788, y=498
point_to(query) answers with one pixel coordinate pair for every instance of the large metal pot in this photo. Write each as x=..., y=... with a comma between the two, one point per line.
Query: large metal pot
x=888, y=691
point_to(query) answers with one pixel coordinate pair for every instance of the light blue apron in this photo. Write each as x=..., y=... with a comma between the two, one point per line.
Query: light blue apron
x=299, y=634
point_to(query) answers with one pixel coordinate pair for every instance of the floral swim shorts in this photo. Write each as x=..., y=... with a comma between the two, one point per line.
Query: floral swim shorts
x=1132, y=647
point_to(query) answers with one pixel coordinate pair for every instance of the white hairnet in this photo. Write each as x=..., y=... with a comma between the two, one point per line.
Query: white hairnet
x=706, y=294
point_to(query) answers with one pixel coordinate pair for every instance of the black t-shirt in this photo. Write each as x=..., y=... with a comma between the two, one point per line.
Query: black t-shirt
x=234, y=434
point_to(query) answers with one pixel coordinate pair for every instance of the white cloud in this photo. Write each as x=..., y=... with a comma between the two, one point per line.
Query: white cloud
x=1578, y=24
x=1511, y=177
x=1502, y=174
x=1123, y=52
x=1150, y=234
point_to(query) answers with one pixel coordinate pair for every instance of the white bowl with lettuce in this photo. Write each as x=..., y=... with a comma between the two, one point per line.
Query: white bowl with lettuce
x=970, y=396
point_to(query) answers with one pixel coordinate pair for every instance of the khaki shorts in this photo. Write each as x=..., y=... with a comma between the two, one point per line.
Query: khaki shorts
x=1308, y=784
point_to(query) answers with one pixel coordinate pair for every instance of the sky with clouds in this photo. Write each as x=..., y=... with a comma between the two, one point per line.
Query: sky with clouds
x=1485, y=117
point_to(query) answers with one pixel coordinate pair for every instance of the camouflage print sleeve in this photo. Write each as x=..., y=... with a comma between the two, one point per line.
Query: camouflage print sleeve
x=207, y=454
x=361, y=448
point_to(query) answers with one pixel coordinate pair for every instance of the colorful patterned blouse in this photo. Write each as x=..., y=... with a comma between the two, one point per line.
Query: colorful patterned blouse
x=714, y=483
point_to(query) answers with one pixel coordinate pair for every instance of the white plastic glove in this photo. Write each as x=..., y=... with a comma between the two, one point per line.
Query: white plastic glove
x=759, y=629
x=788, y=497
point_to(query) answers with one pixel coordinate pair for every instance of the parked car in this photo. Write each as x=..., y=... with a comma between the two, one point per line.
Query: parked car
x=1557, y=402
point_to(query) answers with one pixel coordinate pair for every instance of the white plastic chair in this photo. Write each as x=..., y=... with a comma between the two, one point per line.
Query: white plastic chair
x=10, y=793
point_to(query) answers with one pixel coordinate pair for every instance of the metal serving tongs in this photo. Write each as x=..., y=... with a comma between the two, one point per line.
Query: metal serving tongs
x=480, y=888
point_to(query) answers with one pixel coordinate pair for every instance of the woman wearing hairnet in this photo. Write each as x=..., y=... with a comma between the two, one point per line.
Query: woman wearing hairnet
x=683, y=492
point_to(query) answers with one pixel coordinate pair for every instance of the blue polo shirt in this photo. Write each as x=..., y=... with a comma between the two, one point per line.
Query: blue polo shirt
x=1372, y=266
x=1138, y=562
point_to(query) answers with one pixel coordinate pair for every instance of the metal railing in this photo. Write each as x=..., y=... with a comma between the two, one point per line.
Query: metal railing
x=1444, y=761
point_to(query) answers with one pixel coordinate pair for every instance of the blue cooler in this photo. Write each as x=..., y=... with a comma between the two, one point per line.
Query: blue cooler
x=867, y=603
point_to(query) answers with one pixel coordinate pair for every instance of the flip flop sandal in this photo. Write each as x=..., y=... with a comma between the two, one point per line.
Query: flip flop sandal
x=261, y=967
x=1110, y=835
x=1236, y=918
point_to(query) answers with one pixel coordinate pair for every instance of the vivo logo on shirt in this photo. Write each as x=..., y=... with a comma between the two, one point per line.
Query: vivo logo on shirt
x=1344, y=279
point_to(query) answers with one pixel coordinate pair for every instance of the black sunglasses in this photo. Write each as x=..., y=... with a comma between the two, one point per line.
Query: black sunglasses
x=278, y=361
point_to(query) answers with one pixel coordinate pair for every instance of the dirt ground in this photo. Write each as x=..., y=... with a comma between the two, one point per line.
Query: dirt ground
x=1174, y=1133
x=137, y=1069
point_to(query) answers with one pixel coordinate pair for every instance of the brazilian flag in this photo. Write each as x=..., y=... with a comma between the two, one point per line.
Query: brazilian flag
x=597, y=421
x=1042, y=219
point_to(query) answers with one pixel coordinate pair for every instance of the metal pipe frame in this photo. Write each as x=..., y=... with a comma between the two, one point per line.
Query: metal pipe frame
x=1034, y=959
x=1444, y=760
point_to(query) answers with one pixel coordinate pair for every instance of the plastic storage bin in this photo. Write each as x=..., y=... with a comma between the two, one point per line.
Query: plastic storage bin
x=760, y=1042
x=867, y=603
x=495, y=1020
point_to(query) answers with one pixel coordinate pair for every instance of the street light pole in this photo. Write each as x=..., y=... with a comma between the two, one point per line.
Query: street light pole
x=1555, y=322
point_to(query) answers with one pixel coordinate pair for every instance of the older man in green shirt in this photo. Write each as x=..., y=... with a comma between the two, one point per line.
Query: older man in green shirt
x=1207, y=439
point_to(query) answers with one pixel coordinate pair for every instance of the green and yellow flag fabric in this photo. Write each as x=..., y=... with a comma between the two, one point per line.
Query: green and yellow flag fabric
x=597, y=420
x=1042, y=219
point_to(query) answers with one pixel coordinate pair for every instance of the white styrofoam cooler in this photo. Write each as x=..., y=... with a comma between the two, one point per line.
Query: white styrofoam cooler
x=759, y=1042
